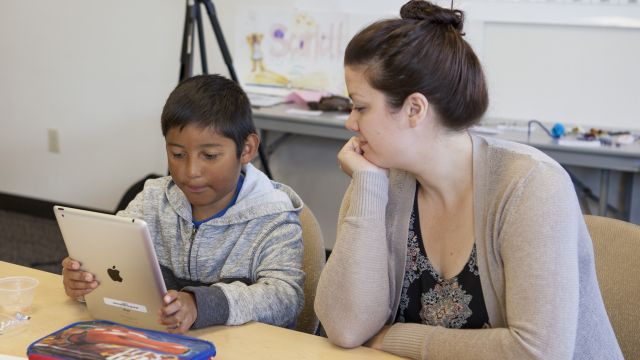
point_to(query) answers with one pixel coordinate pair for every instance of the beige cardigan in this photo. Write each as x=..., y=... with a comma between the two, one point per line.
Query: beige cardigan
x=535, y=260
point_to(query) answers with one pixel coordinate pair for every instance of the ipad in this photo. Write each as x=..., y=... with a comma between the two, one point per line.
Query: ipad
x=119, y=252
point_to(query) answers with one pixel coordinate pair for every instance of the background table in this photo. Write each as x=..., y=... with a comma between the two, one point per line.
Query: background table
x=625, y=159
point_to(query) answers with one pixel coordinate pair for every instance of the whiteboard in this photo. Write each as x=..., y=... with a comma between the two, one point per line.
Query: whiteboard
x=575, y=62
x=570, y=74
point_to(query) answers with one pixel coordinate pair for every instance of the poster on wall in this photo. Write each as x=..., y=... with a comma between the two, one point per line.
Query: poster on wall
x=279, y=50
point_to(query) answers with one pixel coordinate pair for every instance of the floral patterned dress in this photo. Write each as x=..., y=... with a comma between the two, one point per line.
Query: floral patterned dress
x=429, y=299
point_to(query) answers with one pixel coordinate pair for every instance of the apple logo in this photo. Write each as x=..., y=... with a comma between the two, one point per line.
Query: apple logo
x=114, y=274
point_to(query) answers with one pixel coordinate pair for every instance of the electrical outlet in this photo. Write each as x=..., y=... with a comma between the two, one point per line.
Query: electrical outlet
x=54, y=141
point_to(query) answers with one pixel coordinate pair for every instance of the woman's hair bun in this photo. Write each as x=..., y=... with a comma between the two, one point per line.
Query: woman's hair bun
x=425, y=11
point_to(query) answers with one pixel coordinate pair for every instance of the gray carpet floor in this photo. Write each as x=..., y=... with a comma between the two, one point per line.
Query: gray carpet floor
x=31, y=241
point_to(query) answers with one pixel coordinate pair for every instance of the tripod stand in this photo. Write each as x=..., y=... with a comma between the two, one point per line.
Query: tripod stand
x=193, y=18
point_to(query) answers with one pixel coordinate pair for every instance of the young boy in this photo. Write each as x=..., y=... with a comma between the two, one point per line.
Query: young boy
x=228, y=239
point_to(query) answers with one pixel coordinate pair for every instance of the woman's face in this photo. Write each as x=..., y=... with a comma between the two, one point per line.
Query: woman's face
x=379, y=130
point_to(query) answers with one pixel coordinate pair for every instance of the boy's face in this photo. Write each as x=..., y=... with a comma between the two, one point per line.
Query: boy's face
x=205, y=167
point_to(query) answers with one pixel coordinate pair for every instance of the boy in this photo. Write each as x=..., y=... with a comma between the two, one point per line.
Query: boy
x=228, y=239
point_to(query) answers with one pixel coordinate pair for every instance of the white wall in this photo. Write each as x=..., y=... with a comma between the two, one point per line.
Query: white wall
x=99, y=72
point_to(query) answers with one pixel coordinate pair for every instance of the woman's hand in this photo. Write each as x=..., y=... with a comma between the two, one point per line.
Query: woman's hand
x=77, y=283
x=351, y=159
x=179, y=311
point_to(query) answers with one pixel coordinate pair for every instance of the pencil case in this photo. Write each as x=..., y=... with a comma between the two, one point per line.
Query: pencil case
x=108, y=340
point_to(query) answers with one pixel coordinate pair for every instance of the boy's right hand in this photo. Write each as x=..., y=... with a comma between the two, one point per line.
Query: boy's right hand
x=77, y=283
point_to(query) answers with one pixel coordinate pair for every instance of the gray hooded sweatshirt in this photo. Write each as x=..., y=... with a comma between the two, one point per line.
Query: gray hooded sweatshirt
x=243, y=266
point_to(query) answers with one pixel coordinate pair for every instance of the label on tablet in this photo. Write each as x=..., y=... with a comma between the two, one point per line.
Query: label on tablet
x=125, y=305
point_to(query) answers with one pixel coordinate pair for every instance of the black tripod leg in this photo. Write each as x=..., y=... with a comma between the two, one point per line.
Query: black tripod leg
x=265, y=161
x=186, y=56
x=203, y=50
x=220, y=38
x=215, y=24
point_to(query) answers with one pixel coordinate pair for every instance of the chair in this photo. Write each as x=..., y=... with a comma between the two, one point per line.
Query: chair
x=616, y=245
x=312, y=264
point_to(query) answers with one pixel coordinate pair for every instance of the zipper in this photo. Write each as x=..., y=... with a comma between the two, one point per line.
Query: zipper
x=193, y=236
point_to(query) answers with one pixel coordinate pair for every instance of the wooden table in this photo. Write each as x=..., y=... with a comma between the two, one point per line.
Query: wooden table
x=52, y=310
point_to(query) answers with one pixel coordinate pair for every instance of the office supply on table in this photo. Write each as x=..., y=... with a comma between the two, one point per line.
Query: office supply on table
x=119, y=252
x=335, y=103
x=11, y=323
x=304, y=112
x=104, y=339
x=303, y=97
x=264, y=100
x=579, y=143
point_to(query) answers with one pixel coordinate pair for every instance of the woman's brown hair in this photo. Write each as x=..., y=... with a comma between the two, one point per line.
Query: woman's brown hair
x=423, y=52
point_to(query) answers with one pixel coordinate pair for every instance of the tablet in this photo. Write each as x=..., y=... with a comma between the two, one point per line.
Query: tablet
x=119, y=252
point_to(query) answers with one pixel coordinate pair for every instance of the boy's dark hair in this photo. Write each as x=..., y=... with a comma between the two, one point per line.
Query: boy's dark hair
x=423, y=52
x=210, y=101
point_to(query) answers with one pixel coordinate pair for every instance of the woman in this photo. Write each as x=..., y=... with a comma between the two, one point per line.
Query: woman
x=451, y=245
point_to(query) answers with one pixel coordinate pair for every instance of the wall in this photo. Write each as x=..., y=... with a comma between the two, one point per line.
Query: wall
x=96, y=71
x=99, y=72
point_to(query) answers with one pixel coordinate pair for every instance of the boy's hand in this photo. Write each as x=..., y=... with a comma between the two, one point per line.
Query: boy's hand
x=179, y=311
x=77, y=283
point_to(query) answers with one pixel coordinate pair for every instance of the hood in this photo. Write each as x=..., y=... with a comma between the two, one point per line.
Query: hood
x=258, y=197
